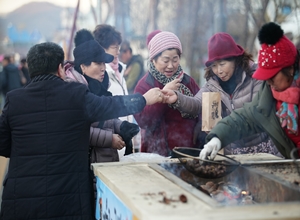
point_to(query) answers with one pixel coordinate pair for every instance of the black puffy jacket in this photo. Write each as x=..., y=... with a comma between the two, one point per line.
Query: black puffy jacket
x=44, y=129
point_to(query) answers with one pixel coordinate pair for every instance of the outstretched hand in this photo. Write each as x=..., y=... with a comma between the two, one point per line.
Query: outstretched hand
x=169, y=96
x=173, y=85
x=153, y=96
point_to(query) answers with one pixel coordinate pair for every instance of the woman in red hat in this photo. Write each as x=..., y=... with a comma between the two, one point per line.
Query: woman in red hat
x=275, y=109
x=229, y=71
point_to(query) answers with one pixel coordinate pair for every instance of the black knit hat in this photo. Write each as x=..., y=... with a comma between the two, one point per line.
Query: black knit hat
x=88, y=50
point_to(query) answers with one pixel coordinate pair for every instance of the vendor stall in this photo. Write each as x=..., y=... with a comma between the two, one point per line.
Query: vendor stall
x=262, y=187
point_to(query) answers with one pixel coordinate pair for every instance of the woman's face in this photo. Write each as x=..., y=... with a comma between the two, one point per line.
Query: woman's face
x=281, y=81
x=95, y=70
x=167, y=63
x=224, y=69
x=114, y=50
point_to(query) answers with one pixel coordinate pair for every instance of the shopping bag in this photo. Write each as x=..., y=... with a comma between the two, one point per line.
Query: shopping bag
x=211, y=110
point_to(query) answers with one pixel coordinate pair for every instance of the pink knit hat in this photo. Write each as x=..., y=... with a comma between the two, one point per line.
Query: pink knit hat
x=222, y=46
x=163, y=41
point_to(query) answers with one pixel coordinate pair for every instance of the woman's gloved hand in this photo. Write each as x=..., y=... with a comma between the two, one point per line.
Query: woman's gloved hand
x=211, y=148
x=127, y=132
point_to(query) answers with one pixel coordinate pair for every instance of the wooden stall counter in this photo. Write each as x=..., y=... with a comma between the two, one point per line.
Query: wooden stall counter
x=146, y=191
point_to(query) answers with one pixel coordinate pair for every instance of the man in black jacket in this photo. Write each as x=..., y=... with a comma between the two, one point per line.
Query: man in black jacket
x=10, y=77
x=44, y=130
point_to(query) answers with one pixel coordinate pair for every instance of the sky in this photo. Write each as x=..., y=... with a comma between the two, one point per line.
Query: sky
x=7, y=6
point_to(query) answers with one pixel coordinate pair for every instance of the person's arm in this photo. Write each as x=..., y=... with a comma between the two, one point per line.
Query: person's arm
x=188, y=104
x=240, y=123
x=100, y=137
x=5, y=132
x=184, y=103
x=104, y=107
x=237, y=125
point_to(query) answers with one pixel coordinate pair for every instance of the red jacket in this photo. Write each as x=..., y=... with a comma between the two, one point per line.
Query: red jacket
x=163, y=127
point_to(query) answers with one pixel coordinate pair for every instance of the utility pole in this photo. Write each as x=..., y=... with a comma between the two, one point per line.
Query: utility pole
x=73, y=31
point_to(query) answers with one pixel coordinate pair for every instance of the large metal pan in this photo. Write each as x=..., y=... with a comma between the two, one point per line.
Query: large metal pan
x=208, y=169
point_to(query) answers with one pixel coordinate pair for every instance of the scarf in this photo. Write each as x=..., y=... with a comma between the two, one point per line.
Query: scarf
x=228, y=86
x=288, y=111
x=115, y=67
x=164, y=80
x=98, y=88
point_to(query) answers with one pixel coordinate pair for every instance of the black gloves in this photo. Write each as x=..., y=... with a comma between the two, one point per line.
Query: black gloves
x=128, y=131
x=129, y=147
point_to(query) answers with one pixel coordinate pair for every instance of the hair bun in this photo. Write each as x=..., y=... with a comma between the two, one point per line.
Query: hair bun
x=82, y=36
x=270, y=33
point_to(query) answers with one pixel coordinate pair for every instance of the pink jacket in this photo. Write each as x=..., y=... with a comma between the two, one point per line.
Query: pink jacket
x=100, y=139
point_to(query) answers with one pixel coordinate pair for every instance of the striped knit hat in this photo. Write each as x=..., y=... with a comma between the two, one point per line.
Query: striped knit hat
x=163, y=41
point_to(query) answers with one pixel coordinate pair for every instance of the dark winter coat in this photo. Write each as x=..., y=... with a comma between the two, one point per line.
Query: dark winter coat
x=44, y=130
x=10, y=78
x=256, y=116
x=164, y=127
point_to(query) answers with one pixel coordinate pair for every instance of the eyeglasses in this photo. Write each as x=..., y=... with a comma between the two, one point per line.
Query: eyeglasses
x=115, y=48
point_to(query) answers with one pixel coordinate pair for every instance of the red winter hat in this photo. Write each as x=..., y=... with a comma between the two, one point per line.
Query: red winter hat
x=151, y=35
x=276, y=52
x=221, y=46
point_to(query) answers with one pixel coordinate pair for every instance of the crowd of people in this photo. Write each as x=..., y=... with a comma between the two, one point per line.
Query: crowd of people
x=62, y=115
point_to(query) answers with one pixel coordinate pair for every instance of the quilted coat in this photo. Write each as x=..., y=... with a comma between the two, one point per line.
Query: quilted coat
x=256, y=116
x=44, y=130
x=244, y=92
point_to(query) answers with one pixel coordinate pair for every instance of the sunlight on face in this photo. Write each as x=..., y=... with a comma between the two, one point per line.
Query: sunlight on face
x=95, y=70
x=167, y=63
x=224, y=69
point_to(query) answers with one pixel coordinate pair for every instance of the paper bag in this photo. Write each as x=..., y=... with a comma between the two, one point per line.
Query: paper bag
x=211, y=110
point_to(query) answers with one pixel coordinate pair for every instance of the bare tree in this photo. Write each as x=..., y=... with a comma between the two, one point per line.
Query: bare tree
x=153, y=15
x=195, y=21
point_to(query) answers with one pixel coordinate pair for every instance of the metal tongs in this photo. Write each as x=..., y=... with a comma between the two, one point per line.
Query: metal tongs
x=294, y=157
